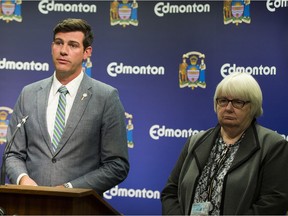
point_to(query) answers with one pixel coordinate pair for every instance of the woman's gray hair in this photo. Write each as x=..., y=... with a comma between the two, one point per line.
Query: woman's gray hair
x=241, y=86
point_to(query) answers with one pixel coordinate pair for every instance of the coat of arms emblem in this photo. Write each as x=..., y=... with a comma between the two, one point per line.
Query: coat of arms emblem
x=129, y=130
x=10, y=10
x=236, y=11
x=4, y=114
x=192, y=74
x=87, y=66
x=123, y=13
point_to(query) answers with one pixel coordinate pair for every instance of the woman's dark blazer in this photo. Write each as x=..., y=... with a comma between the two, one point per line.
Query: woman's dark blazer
x=256, y=183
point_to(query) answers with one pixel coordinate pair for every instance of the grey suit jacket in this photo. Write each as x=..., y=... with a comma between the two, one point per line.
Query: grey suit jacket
x=256, y=183
x=93, y=150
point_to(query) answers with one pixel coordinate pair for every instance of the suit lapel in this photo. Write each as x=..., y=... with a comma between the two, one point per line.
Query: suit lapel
x=247, y=147
x=42, y=103
x=203, y=148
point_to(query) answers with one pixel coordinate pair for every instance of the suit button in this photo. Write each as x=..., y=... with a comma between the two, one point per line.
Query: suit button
x=54, y=160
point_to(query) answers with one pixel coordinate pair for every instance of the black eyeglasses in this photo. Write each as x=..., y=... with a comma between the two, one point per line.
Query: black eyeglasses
x=236, y=103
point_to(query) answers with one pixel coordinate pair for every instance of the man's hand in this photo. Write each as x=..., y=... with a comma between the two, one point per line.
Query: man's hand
x=26, y=180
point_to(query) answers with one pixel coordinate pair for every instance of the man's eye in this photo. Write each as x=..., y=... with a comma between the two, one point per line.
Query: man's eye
x=58, y=42
x=73, y=45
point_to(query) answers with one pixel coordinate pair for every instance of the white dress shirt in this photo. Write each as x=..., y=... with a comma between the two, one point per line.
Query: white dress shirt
x=72, y=88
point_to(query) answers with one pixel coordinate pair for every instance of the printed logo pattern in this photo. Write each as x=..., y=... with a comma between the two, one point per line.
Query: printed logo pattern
x=192, y=74
x=236, y=11
x=124, y=13
x=5, y=113
x=10, y=10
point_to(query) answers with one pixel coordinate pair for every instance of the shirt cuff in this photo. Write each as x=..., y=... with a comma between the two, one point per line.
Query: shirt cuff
x=19, y=177
x=68, y=185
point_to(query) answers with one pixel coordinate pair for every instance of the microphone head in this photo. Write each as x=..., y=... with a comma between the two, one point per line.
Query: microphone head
x=25, y=119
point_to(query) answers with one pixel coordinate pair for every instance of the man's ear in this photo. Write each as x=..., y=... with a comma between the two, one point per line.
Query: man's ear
x=87, y=52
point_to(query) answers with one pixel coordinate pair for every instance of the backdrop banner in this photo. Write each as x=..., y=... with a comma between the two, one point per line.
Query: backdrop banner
x=165, y=58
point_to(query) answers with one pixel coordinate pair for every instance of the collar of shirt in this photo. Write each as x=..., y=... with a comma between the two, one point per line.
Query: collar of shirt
x=72, y=86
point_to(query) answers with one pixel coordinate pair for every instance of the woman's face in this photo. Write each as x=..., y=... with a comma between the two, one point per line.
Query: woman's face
x=236, y=116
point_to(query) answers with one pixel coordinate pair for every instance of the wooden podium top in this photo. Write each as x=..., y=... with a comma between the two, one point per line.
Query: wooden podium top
x=41, y=200
x=53, y=191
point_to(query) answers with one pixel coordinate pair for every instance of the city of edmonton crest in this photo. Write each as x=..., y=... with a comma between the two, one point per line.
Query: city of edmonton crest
x=123, y=13
x=192, y=70
x=236, y=11
x=129, y=130
x=87, y=66
x=5, y=113
x=10, y=10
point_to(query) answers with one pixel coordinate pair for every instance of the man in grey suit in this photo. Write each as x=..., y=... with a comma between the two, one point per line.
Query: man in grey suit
x=92, y=151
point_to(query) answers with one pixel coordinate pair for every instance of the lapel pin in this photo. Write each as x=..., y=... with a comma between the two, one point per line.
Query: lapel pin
x=84, y=96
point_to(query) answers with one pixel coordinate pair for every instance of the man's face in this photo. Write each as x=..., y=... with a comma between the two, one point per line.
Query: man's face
x=68, y=53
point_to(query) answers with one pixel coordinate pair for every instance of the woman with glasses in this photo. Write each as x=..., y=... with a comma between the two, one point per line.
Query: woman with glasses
x=236, y=168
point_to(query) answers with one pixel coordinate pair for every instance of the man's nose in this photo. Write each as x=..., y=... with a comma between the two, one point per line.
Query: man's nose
x=63, y=50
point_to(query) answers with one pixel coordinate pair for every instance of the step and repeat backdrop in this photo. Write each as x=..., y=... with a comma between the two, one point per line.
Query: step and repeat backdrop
x=165, y=58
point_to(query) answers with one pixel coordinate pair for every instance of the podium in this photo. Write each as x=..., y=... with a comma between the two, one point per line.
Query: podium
x=38, y=200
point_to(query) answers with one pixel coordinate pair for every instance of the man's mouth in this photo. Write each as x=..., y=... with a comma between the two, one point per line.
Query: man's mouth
x=62, y=61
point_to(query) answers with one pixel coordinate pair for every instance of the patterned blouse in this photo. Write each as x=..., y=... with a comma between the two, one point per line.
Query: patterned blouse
x=210, y=184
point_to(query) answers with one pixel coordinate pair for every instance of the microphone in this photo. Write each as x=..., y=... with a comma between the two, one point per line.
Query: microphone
x=2, y=211
x=8, y=147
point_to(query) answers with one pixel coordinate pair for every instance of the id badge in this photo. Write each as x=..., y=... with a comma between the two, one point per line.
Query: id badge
x=201, y=208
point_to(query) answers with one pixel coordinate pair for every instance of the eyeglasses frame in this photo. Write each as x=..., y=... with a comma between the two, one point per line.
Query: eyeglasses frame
x=233, y=101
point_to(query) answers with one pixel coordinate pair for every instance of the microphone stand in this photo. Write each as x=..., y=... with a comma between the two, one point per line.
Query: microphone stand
x=7, y=150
